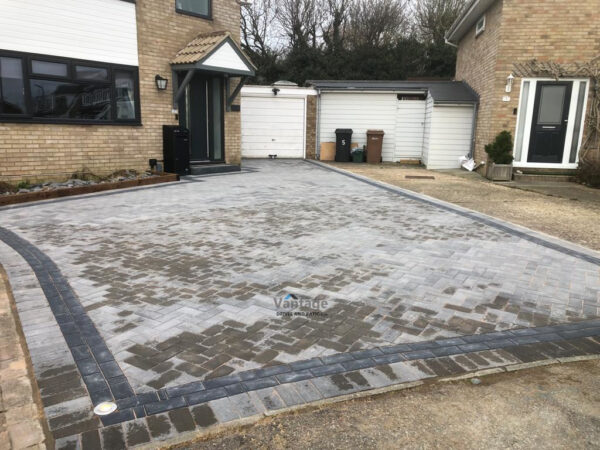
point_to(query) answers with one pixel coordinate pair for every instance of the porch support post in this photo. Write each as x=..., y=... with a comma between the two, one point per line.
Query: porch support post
x=179, y=92
x=231, y=97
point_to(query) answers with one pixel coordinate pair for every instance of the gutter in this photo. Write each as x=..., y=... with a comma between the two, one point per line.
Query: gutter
x=318, y=130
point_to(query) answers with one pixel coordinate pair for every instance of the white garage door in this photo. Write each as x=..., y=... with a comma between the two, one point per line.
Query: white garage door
x=273, y=126
x=410, y=127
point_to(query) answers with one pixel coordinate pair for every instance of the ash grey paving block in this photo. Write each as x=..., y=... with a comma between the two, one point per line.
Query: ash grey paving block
x=358, y=364
x=525, y=353
x=248, y=375
x=289, y=395
x=400, y=348
x=418, y=354
x=127, y=402
x=246, y=405
x=224, y=410
x=408, y=372
x=307, y=390
x=260, y=383
x=475, y=347
x=337, y=358
x=185, y=389
x=548, y=337
x=182, y=420
x=95, y=382
x=120, y=387
x=269, y=398
x=136, y=432
x=101, y=395
x=306, y=364
x=294, y=376
x=117, y=417
x=333, y=386
x=81, y=352
x=205, y=396
x=164, y=405
x=376, y=378
x=476, y=338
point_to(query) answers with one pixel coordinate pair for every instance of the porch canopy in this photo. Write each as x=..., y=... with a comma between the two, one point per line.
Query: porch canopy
x=215, y=53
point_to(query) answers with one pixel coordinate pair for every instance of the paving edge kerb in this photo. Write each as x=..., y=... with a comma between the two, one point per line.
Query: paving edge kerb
x=528, y=234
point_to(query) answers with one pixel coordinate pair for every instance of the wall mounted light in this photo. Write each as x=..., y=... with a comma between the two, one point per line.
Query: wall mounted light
x=276, y=91
x=509, y=82
x=161, y=83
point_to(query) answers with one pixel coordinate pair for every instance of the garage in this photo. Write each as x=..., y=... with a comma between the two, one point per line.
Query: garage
x=430, y=122
x=274, y=121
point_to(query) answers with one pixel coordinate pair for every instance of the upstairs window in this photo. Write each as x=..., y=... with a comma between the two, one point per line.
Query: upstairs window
x=480, y=27
x=60, y=90
x=199, y=8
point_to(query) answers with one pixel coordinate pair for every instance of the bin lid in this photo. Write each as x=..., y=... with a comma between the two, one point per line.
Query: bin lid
x=381, y=132
x=343, y=131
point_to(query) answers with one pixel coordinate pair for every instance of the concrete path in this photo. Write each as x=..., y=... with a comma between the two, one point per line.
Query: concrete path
x=286, y=272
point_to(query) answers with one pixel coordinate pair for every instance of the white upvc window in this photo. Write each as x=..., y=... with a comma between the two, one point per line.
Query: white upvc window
x=480, y=26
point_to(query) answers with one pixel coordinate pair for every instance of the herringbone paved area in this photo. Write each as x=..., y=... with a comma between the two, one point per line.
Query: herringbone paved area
x=184, y=281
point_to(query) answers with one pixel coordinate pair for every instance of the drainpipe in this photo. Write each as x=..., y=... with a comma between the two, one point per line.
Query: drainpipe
x=474, y=130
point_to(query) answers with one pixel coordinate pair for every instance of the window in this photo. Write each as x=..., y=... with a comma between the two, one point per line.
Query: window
x=199, y=8
x=480, y=27
x=59, y=90
x=12, y=86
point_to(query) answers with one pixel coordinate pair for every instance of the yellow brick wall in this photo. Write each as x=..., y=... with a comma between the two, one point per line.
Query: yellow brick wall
x=37, y=151
x=518, y=31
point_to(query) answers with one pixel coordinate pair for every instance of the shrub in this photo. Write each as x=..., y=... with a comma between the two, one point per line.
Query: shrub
x=500, y=151
x=588, y=172
x=23, y=184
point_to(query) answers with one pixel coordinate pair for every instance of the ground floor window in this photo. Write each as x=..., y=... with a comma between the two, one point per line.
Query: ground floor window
x=550, y=122
x=36, y=88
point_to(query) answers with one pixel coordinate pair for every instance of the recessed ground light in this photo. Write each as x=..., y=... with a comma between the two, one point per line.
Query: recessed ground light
x=105, y=408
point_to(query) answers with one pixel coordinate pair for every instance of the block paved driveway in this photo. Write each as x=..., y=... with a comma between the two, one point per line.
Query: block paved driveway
x=182, y=280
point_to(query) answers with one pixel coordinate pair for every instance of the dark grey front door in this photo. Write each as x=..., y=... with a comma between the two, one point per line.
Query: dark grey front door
x=202, y=114
x=550, y=120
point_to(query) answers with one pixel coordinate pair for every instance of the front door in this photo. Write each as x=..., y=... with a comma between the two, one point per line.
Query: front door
x=202, y=114
x=550, y=120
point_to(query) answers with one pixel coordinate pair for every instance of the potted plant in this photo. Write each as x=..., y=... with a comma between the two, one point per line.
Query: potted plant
x=500, y=154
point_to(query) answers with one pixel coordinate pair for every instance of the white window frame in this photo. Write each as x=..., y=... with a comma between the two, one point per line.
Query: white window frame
x=565, y=164
x=480, y=29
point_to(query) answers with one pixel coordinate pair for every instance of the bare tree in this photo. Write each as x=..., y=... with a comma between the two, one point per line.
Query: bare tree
x=257, y=19
x=377, y=23
x=334, y=24
x=300, y=21
x=434, y=17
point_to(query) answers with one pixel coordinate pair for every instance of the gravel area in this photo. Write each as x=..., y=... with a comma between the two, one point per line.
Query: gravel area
x=571, y=212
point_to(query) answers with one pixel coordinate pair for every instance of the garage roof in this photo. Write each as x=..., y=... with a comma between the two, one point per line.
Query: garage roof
x=441, y=91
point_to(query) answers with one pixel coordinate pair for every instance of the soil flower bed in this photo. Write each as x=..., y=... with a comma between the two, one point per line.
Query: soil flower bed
x=79, y=183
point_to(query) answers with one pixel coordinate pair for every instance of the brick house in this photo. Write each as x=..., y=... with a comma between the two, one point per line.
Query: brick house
x=545, y=115
x=82, y=83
